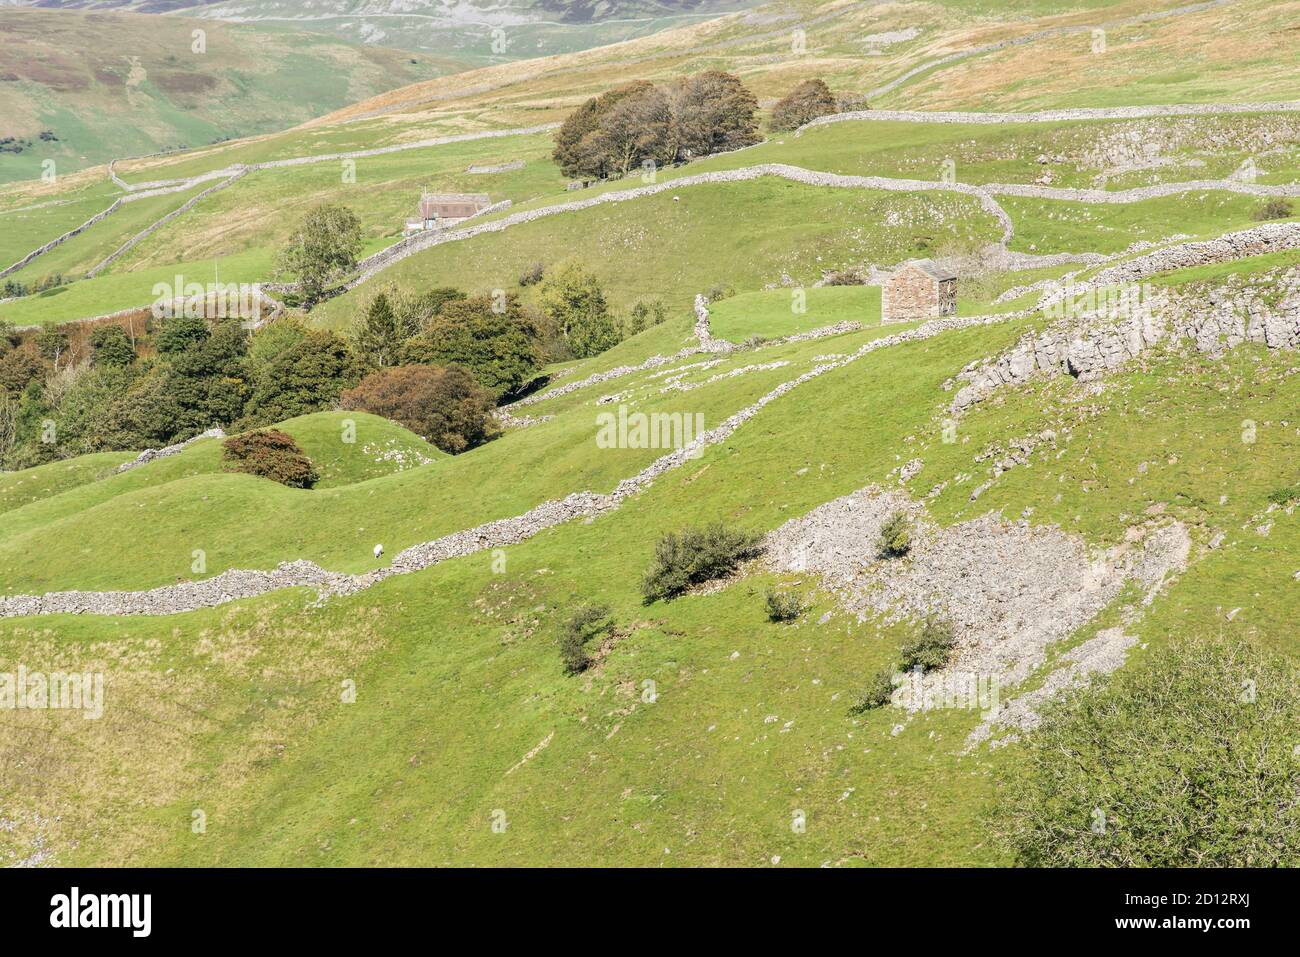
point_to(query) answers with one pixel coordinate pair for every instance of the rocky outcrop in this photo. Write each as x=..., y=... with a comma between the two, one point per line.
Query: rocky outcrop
x=1010, y=590
x=1094, y=343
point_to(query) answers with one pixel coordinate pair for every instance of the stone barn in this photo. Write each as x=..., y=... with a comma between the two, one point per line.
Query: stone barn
x=919, y=289
x=447, y=209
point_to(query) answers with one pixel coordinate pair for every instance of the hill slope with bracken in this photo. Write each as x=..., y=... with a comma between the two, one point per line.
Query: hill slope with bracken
x=1080, y=480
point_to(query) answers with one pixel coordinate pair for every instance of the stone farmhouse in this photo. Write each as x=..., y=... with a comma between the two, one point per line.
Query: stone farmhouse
x=919, y=289
x=447, y=209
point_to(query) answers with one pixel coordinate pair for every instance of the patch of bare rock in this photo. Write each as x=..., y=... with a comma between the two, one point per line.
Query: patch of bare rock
x=1091, y=342
x=1010, y=590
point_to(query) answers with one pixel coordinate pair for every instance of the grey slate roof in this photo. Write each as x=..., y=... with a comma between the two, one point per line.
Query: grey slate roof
x=932, y=269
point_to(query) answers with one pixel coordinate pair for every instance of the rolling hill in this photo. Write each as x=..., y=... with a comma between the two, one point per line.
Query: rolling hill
x=1093, y=485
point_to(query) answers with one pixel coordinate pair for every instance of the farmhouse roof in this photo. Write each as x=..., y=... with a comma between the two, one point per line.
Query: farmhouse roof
x=932, y=269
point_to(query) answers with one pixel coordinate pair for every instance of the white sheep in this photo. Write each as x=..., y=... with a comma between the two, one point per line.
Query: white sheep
x=379, y=550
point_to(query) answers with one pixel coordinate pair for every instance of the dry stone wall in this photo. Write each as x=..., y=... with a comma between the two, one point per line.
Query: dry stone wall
x=161, y=222
x=62, y=239
x=237, y=584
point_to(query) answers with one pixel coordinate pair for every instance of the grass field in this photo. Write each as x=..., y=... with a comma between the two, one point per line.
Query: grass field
x=231, y=736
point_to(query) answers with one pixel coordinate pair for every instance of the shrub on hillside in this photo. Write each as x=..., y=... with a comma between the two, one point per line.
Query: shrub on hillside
x=269, y=454
x=807, y=101
x=697, y=555
x=896, y=535
x=494, y=338
x=533, y=274
x=446, y=406
x=1285, y=495
x=877, y=694
x=1275, y=208
x=643, y=315
x=573, y=300
x=783, y=606
x=585, y=625
x=933, y=649
x=111, y=346
x=1185, y=759
x=845, y=277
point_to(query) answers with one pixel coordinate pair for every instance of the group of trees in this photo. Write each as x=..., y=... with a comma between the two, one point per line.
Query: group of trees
x=442, y=359
x=436, y=361
x=710, y=112
x=198, y=374
x=618, y=131
x=14, y=288
x=807, y=101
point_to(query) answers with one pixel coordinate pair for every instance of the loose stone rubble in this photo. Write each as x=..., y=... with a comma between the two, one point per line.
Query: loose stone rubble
x=1009, y=589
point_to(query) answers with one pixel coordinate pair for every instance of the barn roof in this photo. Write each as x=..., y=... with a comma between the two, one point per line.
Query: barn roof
x=932, y=269
x=482, y=198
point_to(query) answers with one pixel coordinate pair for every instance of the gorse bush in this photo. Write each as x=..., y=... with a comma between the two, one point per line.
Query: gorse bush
x=783, y=606
x=586, y=625
x=1276, y=208
x=697, y=555
x=878, y=693
x=1186, y=759
x=269, y=454
x=896, y=535
x=933, y=649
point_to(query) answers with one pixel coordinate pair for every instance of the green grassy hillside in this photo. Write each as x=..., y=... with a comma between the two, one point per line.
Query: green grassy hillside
x=427, y=717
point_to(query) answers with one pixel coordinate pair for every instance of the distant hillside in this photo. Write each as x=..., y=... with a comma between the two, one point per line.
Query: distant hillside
x=479, y=31
x=68, y=79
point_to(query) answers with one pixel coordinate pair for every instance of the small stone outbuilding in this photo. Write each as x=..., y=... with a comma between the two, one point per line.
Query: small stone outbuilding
x=919, y=289
x=447, y=209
